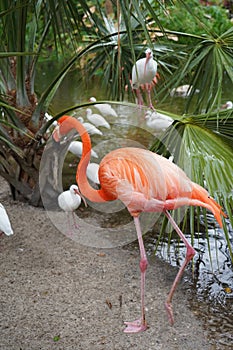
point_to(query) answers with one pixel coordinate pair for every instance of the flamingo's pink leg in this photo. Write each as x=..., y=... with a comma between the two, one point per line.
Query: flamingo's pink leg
x=139, y=325
x=189, y=255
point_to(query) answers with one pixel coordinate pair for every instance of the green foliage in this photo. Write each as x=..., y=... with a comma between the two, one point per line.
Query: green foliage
x=203, y=147
x=202, y=19
x=205, y=67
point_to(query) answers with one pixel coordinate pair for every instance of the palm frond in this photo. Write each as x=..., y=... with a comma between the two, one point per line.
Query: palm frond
x=206, y=158
x=48, y=94
x=7, y=141
x=205, y=67
x=219, y=121
x=10, y=113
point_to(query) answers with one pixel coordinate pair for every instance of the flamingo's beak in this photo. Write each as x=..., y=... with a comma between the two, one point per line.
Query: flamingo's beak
x=80, y=194
x=56, y=134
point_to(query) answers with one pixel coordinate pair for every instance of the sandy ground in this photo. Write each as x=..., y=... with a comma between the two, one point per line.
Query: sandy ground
x=58, y=294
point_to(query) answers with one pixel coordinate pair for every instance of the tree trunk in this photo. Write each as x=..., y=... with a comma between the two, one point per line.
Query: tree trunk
x=37, y=177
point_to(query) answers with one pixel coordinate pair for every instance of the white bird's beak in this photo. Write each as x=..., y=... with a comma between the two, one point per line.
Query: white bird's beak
x=80, y=194
x=148, y=56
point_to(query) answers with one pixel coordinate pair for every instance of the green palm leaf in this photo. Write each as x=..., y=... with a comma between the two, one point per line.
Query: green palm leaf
x=206, y=157
x=205, y=66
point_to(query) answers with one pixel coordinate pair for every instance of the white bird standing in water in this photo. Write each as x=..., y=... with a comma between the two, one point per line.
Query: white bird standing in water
x=76, y=147
x=91, y=129
x=48, y=117
x=104, y=108
x=228, y=105
x=97, y=119
x=5, y=225
x=69, y=201
x=143, y=72
x=158, y=121
x=93, y=172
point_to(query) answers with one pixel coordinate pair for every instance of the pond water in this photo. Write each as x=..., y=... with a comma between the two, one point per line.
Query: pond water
x=210, y=282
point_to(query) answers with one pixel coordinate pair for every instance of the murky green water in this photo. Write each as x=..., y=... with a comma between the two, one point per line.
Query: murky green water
x=209, y=282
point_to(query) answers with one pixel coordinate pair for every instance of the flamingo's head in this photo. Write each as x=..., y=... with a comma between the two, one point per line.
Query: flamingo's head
x=56, y=132
x=62, y=119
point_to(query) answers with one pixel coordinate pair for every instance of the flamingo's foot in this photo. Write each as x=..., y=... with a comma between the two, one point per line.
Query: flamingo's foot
x=169, y=310
x=135, y=326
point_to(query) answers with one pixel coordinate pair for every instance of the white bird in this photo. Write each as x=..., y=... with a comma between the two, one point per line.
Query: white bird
x=104, y=108
x=91, y=129
x=143, y=72
x=228, y=105
x=50, y=129
x=76, y=147
x=93, y=172
x=5, y=225
x=48, y=117
x=97, y=119
x=158, y=121
x=69, y=201
x=182, y=91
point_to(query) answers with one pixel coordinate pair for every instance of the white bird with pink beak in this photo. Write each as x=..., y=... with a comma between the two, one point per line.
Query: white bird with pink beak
x=69, y=201
x=143, y=72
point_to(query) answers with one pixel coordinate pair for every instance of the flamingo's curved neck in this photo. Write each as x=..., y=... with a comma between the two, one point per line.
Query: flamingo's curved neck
x=66, y=125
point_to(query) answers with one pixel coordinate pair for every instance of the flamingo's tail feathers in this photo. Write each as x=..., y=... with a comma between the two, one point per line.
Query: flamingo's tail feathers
x=199, y=193
x=217, y=211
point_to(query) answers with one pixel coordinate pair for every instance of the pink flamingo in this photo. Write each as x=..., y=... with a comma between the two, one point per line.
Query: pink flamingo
x=144, y=182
